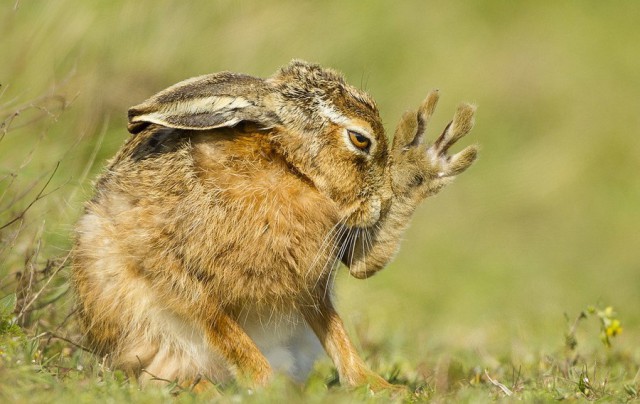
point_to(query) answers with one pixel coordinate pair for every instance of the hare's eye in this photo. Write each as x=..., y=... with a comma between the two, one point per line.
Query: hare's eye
x=359, y=140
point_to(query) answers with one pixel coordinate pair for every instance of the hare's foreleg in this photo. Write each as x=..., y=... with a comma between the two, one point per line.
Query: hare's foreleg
x=183, y=354
x=232, y=342
x=197, y=336
x=329, y=328
x=416, y=170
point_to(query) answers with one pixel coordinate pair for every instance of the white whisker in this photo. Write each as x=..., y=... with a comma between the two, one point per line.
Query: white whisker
x=327, y=241
x=332, y=257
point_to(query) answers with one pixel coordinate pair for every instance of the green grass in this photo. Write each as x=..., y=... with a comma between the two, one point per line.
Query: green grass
x=545, y=223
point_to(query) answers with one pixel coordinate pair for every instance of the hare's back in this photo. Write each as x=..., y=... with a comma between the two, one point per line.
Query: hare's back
x=221, y=207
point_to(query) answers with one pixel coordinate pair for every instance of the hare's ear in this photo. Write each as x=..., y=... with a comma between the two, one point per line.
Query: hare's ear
x=207, y=102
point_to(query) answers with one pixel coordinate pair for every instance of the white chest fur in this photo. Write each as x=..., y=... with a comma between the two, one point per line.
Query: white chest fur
x=286, y=341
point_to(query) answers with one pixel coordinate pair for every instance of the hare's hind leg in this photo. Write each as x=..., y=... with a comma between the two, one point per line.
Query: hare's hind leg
x=132, y=321
x=111, y=298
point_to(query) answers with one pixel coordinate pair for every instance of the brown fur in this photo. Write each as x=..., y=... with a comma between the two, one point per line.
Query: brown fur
x=234, y=200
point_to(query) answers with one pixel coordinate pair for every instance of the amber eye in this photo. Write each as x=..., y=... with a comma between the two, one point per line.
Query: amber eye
x=360, y=141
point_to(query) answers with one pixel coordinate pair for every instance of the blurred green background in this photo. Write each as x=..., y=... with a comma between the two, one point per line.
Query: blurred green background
x=545, y=223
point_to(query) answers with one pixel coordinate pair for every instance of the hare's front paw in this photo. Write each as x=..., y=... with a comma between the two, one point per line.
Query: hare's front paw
x=420, y=169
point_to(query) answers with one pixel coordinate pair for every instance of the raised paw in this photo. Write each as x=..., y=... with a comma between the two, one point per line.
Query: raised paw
x=461, y=124
x=420, y=168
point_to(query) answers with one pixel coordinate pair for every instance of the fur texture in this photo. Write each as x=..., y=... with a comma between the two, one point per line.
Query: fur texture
x=210, y=246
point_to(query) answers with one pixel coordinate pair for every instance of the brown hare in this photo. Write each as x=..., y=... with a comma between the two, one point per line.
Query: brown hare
x=211, y=244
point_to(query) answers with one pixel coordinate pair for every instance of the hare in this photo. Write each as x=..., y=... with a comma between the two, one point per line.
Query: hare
x=210, y=247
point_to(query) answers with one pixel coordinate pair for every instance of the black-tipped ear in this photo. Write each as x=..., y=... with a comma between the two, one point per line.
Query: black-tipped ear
x=207, y=102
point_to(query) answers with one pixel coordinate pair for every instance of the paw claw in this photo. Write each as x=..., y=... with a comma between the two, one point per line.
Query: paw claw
x=464, y=120
x=459, y=162
x=410, y=132
x=461, y=124
x=429, y=105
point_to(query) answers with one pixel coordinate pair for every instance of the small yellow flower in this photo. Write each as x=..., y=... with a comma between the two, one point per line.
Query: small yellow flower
x=614, y=328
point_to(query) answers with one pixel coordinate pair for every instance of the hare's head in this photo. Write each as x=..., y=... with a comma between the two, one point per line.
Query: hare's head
x=328, y=131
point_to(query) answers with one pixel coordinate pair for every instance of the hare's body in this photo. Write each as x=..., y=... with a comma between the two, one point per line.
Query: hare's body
x=211, y=244
x=217, y=255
